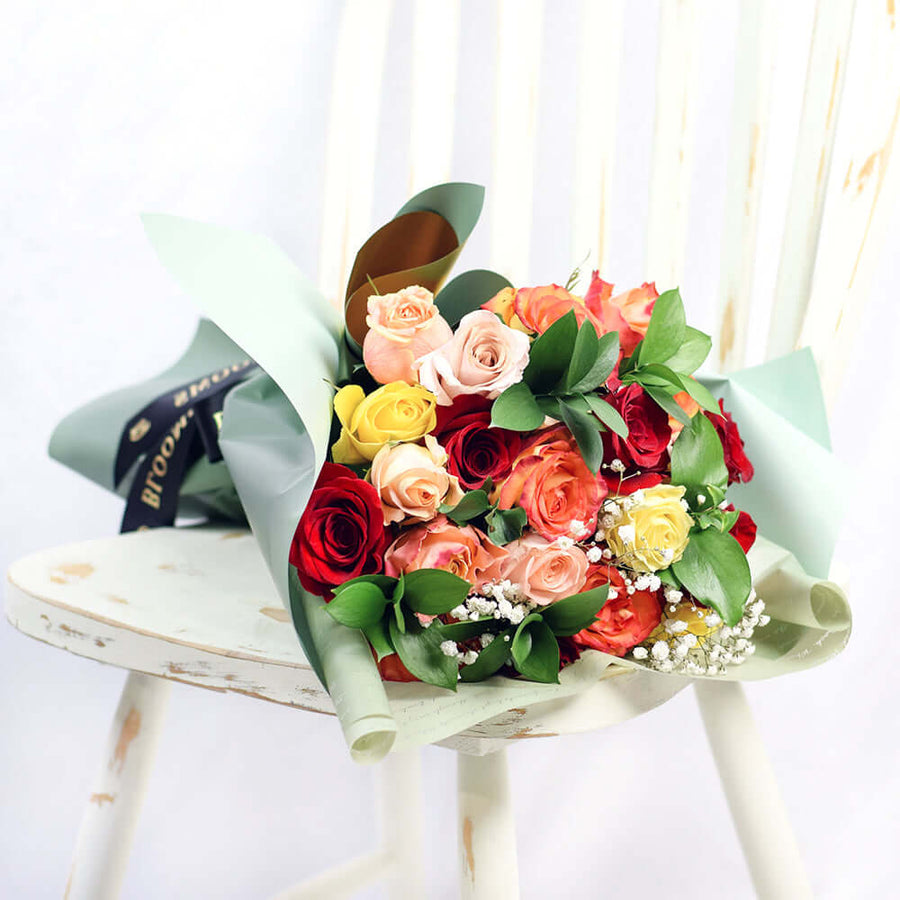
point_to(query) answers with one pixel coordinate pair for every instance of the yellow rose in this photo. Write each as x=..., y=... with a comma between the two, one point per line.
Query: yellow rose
x=652, y=533
x=396, y=412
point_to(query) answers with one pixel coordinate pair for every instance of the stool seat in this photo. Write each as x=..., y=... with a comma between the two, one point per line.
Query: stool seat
x=197, y=605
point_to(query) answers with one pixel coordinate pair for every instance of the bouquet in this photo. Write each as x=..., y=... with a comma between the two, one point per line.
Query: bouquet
x=499, y=494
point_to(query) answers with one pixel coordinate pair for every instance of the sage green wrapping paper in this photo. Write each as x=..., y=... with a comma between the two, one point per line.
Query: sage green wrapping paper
x=87, y=440
x=275, y=438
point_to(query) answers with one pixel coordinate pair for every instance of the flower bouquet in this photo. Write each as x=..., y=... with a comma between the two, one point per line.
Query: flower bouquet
x=494, y=494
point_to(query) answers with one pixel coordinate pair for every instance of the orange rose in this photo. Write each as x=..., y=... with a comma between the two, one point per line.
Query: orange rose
x=439, y=544
x=625, y=620
x=551, y=482
x=689, y=405
x=539, y=307
x=503, y=304
x=627, y=313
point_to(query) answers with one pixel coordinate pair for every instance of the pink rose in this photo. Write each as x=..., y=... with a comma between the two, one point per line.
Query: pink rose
x=402, y=327
x=412, y=481
x=484, y=357
x=545, y=572
x=628, y=312
x=439, y=544
x=550, y=481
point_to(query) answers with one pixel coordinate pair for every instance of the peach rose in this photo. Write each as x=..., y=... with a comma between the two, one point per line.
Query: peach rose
x=545, y=571
x=484, y=357
x=539, y=307
x=412, y=481
x=627, y=313
x=551, y=482
x=439, y=544
x=402, y=327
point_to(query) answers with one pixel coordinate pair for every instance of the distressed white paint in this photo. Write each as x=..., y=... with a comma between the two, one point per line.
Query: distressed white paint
x=863, y=190
x=673, y=141
x=435, y=59
x=197, y=605
x=515, y=128
x=403, y=823
x=754, y=799
x=812, y=165
x=755, y=41
x=487, y=829
x=351, y=142
x=110, y=817
x=600, y=24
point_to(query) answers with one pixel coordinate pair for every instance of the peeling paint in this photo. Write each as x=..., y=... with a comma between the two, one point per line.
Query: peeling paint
x=66, y=573
x=467, y=831
x=100, y=799
x=231, y=535
x=130, y=729
x=278, y=613
x=116, y=599
x=726, y=334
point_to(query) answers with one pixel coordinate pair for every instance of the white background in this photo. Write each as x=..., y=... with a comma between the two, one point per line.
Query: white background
x=217, y=111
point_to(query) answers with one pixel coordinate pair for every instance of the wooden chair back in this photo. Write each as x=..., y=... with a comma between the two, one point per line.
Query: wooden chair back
x=845, y=174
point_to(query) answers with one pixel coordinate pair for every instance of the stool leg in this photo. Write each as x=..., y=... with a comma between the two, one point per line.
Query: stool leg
x=403, y=823
x=757, y=809
x=108, y=823
x=487, y=829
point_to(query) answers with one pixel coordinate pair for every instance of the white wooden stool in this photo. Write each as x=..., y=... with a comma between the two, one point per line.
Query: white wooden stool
x=197, y=606
x=146, y=602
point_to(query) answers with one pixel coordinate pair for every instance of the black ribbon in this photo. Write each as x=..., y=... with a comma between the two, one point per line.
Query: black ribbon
x=172, y=432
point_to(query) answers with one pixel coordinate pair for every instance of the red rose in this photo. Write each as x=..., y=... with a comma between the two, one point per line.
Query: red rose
x=739, y=467
x=744, y=531
x=649, y=434
x=623, y=484
x=341, y=534
x=625, y=620
x=475, y=450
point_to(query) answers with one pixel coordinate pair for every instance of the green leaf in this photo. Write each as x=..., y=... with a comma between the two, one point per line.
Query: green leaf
x=464, y=631
x=358, y=606
x=697, y=456
x=715, y=570
x=550, y=354
x=584, y=355
x=516, y=409
x=384, y=582
x=472, y=505
x=584, y=429
x=398, y=588
x=607, y=415
x=730, y=519
x=657, y=375
x=535, y=651
x=466, y=293
x=572, y=614
x=379, y=637
x=662, y=398
x=692, y=353
x=505, y=525
x=667, y=576
x=399, y=618
x=549, y=406
x=666, y=331
x=607, y=357
x=490, y=659
x=419, y=650
x=434, y=591
x=700, y=393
